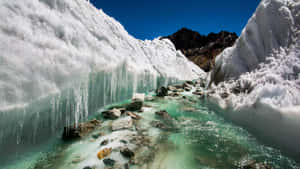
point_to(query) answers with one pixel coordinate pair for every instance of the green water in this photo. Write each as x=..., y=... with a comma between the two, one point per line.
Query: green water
x=200, y=139
x=206, y=140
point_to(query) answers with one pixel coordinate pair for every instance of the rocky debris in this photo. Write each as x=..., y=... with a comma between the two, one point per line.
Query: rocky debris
x=190, y=82
x=202, y=49
x=242, y=87
x=126, y=152
x=161, y=92
x=158, y=124
x=187, y=89
x=76, y=132
x=126, y=166
x=187, y=85
x=164, y=115
x=135, y=105
x=251, y=164
x=96, y=136
x=87, y=167
x=199, y=93
x=224, y=95
x=172, y=88
x=104, y=153
x=180, y=90
x=104, y=142
x=111, y=114
x=123, y=123
x=174, y=94
x=133, y=115
x=138, y=96
x=109, y=162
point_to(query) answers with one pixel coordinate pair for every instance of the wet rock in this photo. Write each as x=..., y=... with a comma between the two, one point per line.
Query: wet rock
x=180, y=90
x=87, y=167
x=242, y=87
x=104, y=153
x=97, y=135
x=184, y=97
x=123, y=141
x=104, y=142
x=190, y=82
x=76, y=132
x=198, y=93
x=158, y=124
x=162, y=92
x=133, y=115
x=126, y=152
x=135, y=105
x=187, y=89
x=163, y=114
x=126, y=166
x=172, y=88
x=111, y=114
x=123, y=123
x=109, y=162
x=187, y=85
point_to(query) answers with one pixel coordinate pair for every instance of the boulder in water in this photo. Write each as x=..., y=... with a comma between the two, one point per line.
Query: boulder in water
x=138, y=96
x=76, y=132
x=162, y=92
x=111, y=114
x=104, y=153
x=126, y=152
x=163, y=114
x=109, y=162
x=123, y=123
x=135, y=105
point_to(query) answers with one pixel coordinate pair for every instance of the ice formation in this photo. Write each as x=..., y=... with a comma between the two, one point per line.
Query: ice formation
x=267, y=57
x=63, y=59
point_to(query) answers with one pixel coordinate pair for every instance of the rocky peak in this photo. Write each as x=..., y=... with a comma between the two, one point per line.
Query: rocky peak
x=202, y=49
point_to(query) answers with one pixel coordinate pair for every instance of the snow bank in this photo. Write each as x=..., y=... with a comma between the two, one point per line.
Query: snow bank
x=63, y=59
x=267, y=57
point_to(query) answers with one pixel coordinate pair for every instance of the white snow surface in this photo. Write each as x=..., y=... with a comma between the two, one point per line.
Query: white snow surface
x=267, y=54
x=47, y=44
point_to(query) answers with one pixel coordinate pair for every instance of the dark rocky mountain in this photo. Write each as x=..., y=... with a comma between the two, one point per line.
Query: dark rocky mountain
x=202, y=49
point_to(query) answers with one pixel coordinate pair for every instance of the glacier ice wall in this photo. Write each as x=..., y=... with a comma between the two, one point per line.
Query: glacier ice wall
x=266, y=56
x=61, y=60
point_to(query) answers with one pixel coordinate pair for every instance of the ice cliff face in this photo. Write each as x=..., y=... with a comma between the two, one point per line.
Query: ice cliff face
x=273, y=26
x=266, y=59
x=48, y=44
x=61, y=60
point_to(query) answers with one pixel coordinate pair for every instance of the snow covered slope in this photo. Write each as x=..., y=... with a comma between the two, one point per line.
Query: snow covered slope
x=266, y=62
x=61, y=60
x=46, y=44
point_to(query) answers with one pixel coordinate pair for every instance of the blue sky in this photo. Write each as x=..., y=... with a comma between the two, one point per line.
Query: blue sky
x=147, y=19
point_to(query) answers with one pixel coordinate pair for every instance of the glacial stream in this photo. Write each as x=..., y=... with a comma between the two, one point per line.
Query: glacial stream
x=197, y=138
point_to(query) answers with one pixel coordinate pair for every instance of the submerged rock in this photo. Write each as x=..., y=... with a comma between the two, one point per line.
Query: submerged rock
x=126, y=152
x=158, y=124
x=163, y=114
x=123, y=123
x=135, y=105
x=87, y=167
x=104, y=142
x=162, y=92
x=76, y=132
x=109, y=162
x=111, y=114
x=104, y=153
x=174, y=94
x=172, y=88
